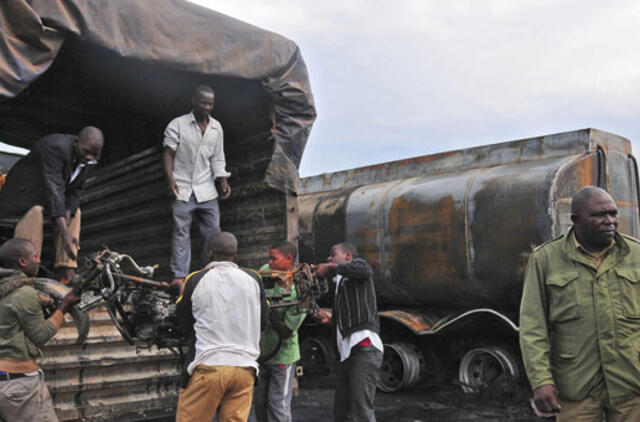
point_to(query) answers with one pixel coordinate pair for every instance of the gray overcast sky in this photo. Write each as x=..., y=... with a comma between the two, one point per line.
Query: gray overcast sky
x=402, y=78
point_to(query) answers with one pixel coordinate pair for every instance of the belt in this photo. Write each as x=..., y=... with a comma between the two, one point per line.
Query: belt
x=7, y=376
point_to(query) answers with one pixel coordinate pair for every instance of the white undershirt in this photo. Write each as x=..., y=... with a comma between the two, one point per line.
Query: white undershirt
x=79, y=168
x=345, y=344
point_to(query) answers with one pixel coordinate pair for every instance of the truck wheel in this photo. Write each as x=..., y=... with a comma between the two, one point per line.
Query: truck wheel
x=486, y=367
x=402, y=367
x=317, y=356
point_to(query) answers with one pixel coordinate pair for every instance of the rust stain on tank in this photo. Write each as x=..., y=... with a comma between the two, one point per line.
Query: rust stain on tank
x=434, y=226
x=416, y=322
x=584, y=171
x=367, y=233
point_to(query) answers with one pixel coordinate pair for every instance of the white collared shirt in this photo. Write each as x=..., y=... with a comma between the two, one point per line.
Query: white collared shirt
x=226, y=308
x=345, y=344
x=199, y=158
x=79, y=168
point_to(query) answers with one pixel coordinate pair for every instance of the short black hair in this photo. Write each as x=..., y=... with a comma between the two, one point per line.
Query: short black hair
x=347, y=247
x=285, y=248
x=583, y=196
x=12, y=250
x=91, y=134
x=223, y=243
x=205, y=89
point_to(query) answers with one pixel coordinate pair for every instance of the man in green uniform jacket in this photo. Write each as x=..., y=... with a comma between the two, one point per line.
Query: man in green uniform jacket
x=272, y=395
x=580, y=317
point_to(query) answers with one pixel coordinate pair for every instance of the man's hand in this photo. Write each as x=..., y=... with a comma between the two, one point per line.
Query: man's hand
x=173, y=188
x=326, y=270
x=225, y=189
x=69, y=241
x=68, y=301
x=546, y=401
x=321, y=316
x=177, y=284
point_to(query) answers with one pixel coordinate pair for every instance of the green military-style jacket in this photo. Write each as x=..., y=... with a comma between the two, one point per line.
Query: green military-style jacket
x=580, y=326
x=23, y=329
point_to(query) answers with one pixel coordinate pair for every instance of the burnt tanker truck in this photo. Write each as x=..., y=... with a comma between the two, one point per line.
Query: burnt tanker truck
x=448, y=237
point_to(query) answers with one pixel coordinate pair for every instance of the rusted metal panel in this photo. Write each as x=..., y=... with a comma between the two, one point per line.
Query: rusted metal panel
x=530, y=149
x=438, y=237
x=328, y=211
x=422, y=323
x=459, y=234
x=107, y=379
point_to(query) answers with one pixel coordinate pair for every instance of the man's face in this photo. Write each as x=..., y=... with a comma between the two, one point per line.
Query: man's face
x=30, y=262
x=87, y=150
x=597, y=221
x=202, y=104
x=279, y=261
x=337, y=255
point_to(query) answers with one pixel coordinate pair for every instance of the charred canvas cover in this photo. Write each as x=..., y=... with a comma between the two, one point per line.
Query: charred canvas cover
x=165, y=40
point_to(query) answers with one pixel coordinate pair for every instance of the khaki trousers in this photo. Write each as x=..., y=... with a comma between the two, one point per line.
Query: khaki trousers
x=26, y=399
x=227, y=389
x=592, y=410
x=30, y=227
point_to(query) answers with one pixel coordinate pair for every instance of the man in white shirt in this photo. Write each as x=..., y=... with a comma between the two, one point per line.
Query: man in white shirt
x=193, y=161
x=223, y=310
x=357, y=328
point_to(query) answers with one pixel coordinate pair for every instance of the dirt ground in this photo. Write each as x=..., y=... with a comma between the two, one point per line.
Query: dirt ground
x=314, y=403
x=427, y=403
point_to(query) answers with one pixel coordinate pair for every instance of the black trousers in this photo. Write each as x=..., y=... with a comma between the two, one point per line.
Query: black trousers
x=356, y=385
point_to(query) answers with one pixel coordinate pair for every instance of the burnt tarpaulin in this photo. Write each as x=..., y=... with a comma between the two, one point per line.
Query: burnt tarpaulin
x=173, y=34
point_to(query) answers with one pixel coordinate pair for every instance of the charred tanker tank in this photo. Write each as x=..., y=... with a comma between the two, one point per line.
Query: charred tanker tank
x=448, y=236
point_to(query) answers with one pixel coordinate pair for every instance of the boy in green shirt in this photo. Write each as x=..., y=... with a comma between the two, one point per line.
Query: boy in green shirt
x=272, y=396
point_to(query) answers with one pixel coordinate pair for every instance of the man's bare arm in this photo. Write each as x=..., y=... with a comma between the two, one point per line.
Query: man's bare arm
x=169, y=159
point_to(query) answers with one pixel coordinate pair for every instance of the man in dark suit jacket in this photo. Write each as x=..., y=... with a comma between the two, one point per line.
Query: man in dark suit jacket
x=49, y=180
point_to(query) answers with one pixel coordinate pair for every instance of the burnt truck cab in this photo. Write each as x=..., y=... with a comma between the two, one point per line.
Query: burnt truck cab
x=129, y=69
x=448, y=237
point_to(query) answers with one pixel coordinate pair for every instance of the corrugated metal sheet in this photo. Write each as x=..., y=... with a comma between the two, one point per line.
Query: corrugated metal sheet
x=106, y=379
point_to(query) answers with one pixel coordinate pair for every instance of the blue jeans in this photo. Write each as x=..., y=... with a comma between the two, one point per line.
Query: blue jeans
x=208, y=215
